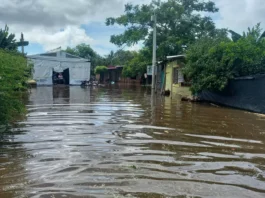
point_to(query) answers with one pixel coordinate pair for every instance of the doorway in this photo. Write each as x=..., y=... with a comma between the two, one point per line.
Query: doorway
x=62, y=78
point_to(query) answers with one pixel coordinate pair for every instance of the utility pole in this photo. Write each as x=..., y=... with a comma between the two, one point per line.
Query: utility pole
x=153, y=18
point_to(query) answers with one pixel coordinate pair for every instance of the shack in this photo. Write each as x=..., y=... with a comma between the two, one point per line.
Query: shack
x=175, y=82
x=59, y=67
x=113, y=74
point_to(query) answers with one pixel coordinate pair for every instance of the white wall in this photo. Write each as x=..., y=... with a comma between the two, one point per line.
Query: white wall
x=43, y=70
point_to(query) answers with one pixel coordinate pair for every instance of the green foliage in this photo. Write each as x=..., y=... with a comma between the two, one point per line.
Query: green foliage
x=178, y=23
x=100, y=69
x=7, y=40
x=235, y=36
x=255, y=32
x=120, y=57
x=137, y=65
x=14, y=73
x=212, y=62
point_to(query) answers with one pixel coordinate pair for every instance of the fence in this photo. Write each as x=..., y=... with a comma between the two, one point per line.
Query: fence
x=246, y=93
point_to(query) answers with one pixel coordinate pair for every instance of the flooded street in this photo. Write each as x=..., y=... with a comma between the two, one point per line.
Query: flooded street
x=119, y=142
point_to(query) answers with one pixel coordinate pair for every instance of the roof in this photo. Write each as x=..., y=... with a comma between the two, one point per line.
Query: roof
x=59, y=55
x=111, y=67
x=175, y=57
x=114, y=67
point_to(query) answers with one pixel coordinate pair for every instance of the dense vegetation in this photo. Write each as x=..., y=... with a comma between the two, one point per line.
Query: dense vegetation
x=13, y=76
x=213, y=57
x=137, y=65
x=212, y=62
x=14, y=73
x=179, y=24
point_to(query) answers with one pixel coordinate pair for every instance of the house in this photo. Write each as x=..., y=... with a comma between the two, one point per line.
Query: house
x=113, y=74
x=174, y=79
x=53, y=65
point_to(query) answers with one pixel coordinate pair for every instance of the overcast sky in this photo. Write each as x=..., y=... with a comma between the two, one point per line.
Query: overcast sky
x=48, y=24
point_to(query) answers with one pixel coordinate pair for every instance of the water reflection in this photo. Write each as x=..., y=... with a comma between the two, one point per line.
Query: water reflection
x=122, y=142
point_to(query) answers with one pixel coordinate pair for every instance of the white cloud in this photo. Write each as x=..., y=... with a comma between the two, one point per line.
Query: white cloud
x=238, y=15
x=70, y=36
x=42, y=20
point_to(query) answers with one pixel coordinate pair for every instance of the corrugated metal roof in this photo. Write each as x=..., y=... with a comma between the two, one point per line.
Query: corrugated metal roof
x=176, y=56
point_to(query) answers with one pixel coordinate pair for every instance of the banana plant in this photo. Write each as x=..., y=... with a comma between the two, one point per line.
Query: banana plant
x=255, y=32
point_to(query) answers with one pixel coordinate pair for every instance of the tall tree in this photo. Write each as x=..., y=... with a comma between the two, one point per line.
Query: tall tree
x=137, y=65
x=120, y=57
x=7, y=40
x=179, y=23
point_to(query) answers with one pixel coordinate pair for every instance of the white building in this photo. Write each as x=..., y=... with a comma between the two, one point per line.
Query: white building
x=74, y=69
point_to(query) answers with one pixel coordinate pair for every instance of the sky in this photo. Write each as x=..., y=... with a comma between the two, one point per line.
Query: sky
x=49, y=24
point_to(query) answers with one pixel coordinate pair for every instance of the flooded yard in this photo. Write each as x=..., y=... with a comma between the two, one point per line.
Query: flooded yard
x=121, y=142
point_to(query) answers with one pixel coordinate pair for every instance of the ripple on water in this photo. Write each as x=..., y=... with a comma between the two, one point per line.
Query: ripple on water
x=117, y=142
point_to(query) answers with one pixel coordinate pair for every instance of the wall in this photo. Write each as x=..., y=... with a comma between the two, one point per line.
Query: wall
x=169, y=74
x=175, y=89
x=247, y=94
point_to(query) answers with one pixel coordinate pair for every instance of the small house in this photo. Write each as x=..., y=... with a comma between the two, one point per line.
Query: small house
x=175, y=82
x=113, y=74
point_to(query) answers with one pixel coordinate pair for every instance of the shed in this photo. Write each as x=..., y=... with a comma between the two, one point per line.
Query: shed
x=73, y=69
x=175, y=81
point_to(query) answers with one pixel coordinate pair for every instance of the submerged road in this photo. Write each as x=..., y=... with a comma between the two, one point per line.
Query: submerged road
x=120, y=142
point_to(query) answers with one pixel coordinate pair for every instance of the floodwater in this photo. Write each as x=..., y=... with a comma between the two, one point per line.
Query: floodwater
x=121, y=142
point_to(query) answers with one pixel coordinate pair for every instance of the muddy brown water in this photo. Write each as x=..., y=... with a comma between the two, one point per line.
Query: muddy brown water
x=121, y=142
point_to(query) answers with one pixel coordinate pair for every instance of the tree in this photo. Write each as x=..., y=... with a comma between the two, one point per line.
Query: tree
x=120, y=57
x=7, y=40
x=178, y=23
x=137, y=65
x=212, y=62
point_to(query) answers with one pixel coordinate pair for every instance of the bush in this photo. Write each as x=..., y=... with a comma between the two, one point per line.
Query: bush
x=100, y=69
x=14, y=73
x=211, y=63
